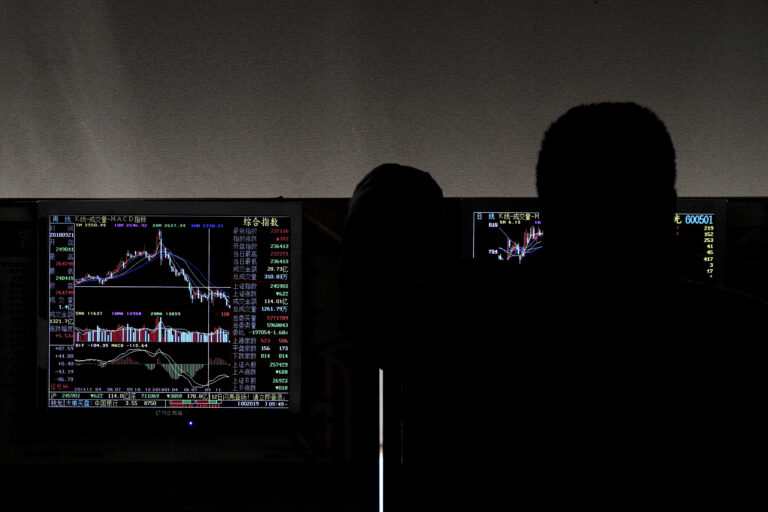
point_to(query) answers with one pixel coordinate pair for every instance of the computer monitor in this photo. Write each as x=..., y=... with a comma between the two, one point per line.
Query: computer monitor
x=170, y=305
x=510, y=231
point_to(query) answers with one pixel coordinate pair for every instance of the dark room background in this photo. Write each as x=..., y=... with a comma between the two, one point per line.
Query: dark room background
x=300, y=99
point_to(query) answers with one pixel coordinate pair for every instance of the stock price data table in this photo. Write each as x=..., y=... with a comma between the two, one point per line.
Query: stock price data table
x=695, y=251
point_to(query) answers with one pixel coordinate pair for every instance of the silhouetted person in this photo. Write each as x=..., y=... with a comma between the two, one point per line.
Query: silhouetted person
x=391, y=248
x=444, y=333
x=652, y=380
x=392, y=255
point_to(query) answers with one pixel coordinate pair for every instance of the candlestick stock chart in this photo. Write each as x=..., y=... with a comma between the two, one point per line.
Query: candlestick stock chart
x=506, y=236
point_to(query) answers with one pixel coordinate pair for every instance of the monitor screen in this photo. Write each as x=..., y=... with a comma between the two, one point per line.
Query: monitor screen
x=510, y=231
x=507, y=231
x=509, y=237
x=171, y=304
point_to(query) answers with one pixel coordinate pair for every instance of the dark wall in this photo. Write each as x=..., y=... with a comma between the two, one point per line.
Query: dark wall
x=301, y=99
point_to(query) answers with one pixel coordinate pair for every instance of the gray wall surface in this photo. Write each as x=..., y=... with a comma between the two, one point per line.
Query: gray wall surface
x=300, y=99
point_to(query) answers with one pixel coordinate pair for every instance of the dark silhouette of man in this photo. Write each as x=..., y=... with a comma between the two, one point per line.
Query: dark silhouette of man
x=652, y=380
x=439, y=328
x=393, y=246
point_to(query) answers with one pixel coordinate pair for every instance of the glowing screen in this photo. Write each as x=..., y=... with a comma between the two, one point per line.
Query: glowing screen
x=506, y=236
x=695, y=246
x=499, y=233
x=170, y=310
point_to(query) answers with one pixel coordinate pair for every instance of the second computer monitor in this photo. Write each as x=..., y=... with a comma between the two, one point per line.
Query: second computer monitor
x=510, y=231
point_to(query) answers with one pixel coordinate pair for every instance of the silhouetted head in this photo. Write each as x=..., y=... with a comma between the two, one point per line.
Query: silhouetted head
x=390, y=185
x=393, y=221
x=606, y=183
x=390, y=250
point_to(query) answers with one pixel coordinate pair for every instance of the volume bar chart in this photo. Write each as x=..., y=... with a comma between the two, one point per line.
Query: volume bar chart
x=159, y=334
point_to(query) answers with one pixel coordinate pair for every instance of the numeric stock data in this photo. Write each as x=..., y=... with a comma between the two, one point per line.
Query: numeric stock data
x=696, y=252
